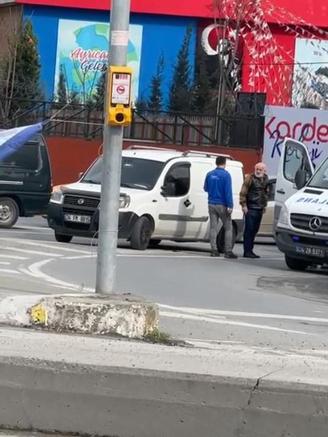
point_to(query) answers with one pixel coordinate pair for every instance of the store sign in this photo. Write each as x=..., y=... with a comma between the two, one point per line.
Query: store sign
x=307, y=125
x=82, y=56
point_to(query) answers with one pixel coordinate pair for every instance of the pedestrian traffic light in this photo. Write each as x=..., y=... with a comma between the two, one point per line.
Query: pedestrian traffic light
x=119, y=96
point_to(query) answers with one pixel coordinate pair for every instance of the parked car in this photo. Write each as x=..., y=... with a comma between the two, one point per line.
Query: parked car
x=162, y=198
x=266, y=228
x=25, y=182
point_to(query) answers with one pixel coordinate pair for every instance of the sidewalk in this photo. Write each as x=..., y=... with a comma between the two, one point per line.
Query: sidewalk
x=106, y=387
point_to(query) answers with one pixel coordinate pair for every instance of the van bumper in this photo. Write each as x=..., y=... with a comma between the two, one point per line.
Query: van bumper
x=312, y=249
x=56, y=221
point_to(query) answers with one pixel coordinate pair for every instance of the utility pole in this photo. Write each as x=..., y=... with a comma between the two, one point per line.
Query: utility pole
x=112, y=157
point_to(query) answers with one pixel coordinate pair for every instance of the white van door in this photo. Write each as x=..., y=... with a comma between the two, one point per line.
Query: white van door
x=175, y=209
x=294, y=170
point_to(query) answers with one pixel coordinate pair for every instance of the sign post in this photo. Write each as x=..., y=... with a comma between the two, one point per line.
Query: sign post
x=118, y=115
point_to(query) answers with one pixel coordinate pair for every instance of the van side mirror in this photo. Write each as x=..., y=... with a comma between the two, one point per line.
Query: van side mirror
x=300, y=178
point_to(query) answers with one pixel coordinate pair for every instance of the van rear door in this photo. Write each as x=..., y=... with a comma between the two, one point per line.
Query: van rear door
x=294, y=170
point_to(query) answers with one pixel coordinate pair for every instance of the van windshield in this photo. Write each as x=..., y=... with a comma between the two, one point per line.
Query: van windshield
x=320, y=177
x=136, y=173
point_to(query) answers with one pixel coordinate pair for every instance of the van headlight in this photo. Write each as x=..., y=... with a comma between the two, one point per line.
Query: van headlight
x=57, y=195
x=283, y=216
x=124, y=201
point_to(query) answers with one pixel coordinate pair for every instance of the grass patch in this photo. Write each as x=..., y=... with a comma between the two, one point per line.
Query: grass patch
x=158, y=336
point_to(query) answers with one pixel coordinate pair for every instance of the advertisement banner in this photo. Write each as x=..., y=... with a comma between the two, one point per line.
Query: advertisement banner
x=307, y=125
x=310, y=86
x=82, y=56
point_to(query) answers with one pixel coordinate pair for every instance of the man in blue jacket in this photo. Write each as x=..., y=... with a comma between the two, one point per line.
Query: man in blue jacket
x=218, y=185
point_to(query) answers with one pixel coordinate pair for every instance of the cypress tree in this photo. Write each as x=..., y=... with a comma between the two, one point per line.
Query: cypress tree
x=201, y=96
x=99, y=97
x=62, y=88
x=179, y=97
x=155, y=102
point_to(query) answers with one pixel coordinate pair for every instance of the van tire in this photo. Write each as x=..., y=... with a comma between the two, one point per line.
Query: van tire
x=61, y=238
x=141, y=233
x=9, y=212
x=296, y=264
x=220, y=239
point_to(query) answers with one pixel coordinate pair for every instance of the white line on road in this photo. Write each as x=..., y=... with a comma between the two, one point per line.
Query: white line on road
x=81, y=256
x=35, y=271
x=14, y=272
x=22, y=258
x=227, y=322
x=206, y=311
x=4, y=263
x=47, y=246
x=31, y=252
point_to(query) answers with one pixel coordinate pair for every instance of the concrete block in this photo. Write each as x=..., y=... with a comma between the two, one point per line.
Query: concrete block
x=117, y=314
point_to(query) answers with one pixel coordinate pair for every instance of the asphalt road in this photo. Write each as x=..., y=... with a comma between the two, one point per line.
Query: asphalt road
x=206, y=301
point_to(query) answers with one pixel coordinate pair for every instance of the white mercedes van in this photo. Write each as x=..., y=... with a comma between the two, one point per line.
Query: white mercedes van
x=162, y=198
x=301, y=208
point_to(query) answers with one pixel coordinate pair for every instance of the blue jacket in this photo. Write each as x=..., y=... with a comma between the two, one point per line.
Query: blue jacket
x=218, y=185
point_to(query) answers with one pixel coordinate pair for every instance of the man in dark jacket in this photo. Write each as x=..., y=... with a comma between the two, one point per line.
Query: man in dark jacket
x=253, y=200
x=218, y=185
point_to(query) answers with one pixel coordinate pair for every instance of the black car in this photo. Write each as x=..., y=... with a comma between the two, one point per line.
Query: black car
x=25, y=182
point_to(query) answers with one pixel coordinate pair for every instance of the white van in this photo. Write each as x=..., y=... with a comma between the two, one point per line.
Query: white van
x=162, y=198
x=301, y=208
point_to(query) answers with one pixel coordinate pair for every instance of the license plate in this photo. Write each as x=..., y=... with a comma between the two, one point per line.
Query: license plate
x=85, y=219
x=311, y=251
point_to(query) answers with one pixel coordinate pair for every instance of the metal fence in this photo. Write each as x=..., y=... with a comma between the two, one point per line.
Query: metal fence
x=83, y=121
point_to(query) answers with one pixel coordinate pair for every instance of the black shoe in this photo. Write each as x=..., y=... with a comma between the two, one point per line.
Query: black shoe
x=250, y=255
x=230, y=255
x=215, y=253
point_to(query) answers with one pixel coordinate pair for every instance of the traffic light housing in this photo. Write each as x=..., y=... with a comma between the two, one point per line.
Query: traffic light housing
x=119, y=111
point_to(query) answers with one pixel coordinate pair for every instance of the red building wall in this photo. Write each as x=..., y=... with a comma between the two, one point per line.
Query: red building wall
x=70, y=156
x=311, y=11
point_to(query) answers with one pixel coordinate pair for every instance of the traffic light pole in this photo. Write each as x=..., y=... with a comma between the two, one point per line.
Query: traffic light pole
x=112, y=157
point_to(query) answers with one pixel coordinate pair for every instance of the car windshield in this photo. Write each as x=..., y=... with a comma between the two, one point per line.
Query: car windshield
x=136, y=173
x=320, y=177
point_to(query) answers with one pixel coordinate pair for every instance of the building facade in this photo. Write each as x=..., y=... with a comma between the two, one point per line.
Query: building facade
x=73, y=41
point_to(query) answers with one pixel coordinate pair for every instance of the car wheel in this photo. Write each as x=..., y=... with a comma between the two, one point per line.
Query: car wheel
x=296, y=264
x=141, y=233
x=63, y=238
x=9, y=212
x=220, y=239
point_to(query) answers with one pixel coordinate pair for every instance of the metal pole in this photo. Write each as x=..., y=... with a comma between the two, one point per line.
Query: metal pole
x=111, y=178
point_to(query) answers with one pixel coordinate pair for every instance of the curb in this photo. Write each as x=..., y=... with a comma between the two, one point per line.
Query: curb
x=125, y=315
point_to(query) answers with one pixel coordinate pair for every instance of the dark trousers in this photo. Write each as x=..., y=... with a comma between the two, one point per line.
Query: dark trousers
x=252, y=225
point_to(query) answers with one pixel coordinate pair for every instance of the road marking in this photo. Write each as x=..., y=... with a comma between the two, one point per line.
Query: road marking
x=31, y=252
x=4, y=263
x=13, y=257
x=227, y=322
x=47, y=246
x=35, y=271
x=205, y=311
x=15, y=272
x=80, y=257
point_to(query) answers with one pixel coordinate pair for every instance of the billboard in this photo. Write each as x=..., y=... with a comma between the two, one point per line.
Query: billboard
x=307, y=125
x=310, y=86
x=82, y=56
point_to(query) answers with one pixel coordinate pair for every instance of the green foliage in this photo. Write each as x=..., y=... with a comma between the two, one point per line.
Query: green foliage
x=201, y=93
x=179, y=97
x=99, y=97
x=20, y=72
x=155, y=102
x=62, y=96
x=158, y=336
